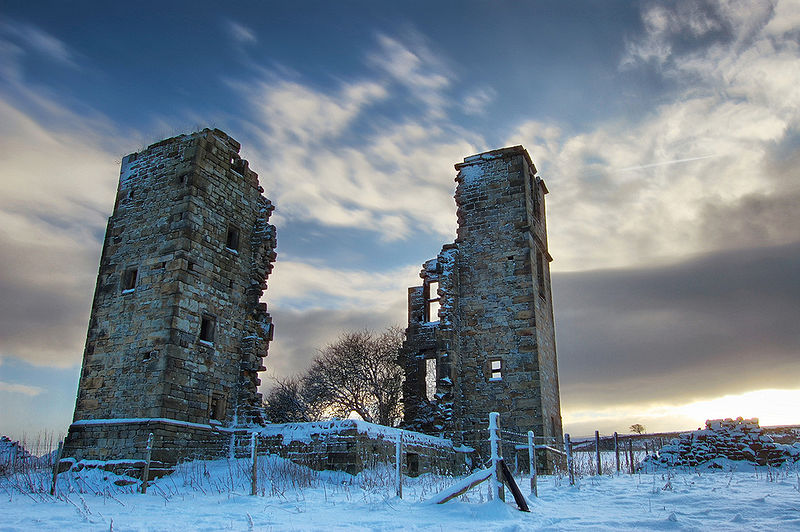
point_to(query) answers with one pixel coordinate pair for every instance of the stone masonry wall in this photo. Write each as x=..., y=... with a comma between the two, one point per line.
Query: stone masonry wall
x=495, y=306
x=353, y=445
x=148, y=353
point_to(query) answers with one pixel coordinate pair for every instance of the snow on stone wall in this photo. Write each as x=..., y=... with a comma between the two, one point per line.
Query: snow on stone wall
x=733, y=439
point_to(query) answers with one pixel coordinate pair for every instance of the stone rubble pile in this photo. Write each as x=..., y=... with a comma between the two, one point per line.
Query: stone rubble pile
x=733, y=439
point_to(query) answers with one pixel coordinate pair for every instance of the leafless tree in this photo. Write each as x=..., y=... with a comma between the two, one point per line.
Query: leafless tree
x=358, y=373
x=285, y=402
x=638, y=428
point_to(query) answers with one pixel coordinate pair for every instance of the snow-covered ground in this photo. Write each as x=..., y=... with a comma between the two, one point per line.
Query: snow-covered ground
x=214, y=496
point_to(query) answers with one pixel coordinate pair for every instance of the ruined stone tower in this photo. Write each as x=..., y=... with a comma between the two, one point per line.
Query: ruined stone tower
x=177, y=332
x=480, y=334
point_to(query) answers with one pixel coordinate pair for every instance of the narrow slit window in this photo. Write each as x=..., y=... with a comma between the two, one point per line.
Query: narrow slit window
x=430, y=378
x=207, y=327
x=129, y=279
x=496, y=368
x=232, y=239
x=540, y=273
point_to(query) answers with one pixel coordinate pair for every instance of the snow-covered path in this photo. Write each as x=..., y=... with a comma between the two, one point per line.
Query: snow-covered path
x=706, y=500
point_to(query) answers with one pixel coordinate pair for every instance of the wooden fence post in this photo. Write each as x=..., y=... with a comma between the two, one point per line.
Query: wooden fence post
x=254, y=457
x=616, y=450
x=630, y=455
x=568, y=451
x=532, y=462
x=597, y=452
x=146, y=472
x=56, y=465
x=398, y=461
x=496, y=482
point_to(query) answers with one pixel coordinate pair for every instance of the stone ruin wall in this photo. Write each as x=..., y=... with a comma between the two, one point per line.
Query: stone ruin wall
x=731, y=439
x=176, y=204
x=492, y=306
x=353, y=445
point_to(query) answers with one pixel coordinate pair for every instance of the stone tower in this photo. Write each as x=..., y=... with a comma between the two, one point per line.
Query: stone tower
x=177, y=333
x=480, y=334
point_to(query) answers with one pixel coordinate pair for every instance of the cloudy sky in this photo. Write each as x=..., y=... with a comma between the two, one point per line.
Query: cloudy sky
x=668, y=134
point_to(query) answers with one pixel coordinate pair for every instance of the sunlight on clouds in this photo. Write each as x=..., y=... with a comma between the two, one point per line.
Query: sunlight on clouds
x=319, y=159
x=301, y=286
x=416, y=68
x=771, y=407
x=294, y=113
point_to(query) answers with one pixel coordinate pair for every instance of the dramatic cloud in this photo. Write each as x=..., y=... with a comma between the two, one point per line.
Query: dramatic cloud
x=334, y=157
x=674, y=232
x=58, y=187
x=661, y=187
x=722, y=323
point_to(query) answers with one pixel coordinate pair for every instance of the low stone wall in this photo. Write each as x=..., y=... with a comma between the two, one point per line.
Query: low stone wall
x=342, y=445
x=352, y=446
x=126, y=440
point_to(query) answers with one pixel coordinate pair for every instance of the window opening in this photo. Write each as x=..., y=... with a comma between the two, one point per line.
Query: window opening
x=216, y=407
x=430, y=378
x=540, y=272
x=207, y=327
x=232, y=239
x=496, y=367
x=238, y=164
x=129, y=279
x=432, y=302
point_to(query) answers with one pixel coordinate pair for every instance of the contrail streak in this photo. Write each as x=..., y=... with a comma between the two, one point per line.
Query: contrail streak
x=664, y=163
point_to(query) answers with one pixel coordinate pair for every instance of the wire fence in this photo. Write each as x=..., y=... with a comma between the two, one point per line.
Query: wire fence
x=256, y=460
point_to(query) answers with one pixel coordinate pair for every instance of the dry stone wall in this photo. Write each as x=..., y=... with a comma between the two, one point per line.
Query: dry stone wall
x=732, y=439
x=177, y=332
